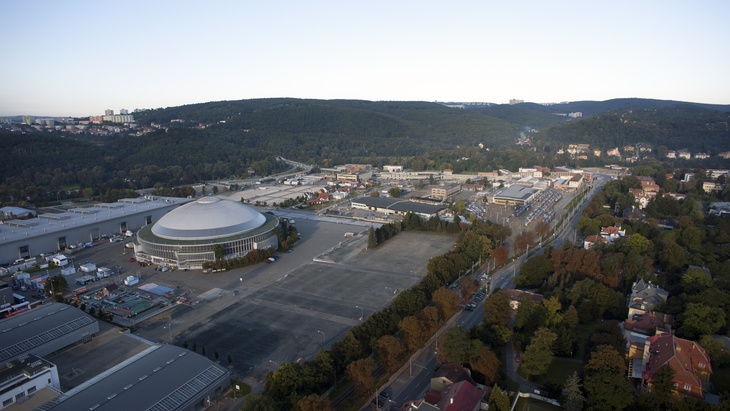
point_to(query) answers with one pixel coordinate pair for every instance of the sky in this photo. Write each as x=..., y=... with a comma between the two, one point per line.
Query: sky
x=78, y=58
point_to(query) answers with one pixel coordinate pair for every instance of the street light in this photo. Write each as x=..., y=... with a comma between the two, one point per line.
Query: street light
x=169, y=328
x=323, y=337
x=275, y=363
x=362, y=312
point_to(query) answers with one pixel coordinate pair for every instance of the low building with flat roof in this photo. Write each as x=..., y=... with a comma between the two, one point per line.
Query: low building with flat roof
x=393, y=206
x=516, y=194
x=22, y=378
x=160, y=378
x=444, y=191
x=44, y=330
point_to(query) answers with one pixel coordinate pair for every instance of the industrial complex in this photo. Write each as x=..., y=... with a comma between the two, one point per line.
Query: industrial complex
x=51, y=232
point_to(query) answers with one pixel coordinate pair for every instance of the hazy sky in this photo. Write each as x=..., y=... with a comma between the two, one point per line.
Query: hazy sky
x=81, y=57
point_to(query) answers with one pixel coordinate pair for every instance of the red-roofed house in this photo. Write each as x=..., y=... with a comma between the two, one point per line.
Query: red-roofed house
x=612, y=233
x=462, y=396
x=591, y=240
x=690, y=363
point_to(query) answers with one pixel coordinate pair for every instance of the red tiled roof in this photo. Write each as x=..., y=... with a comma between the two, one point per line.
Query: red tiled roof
x=461, y=396
x=686, y=358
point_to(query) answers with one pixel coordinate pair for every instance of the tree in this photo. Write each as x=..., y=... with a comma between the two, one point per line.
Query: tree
x=499, y=399
x=219, y=251
x=695, y=281
x=257, y=402
x=500, y=256
x=573, y=396
x=56, y=284
x=539, y=354
x=390, y=351
x=414, y=332
x=534, y=272
x=605, y=381
x=487, y=364
x=395, y=192
x=497, y=309
x=662, y=384
x=313, y=402
x=457, y=348
x=361, y=372
x=372, y=239
x=447, y=302
x=699, y=319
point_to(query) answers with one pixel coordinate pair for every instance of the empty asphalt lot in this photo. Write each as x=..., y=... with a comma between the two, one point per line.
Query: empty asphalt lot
x=290, y=309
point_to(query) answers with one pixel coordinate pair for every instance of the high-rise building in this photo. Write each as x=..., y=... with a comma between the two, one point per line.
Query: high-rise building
x=108, y=112
x=123, y=111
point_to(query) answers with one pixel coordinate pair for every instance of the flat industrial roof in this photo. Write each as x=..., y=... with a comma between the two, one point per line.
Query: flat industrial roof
x=38, y=326
x=161, y=378
x=399, y=205
x=517, y=192
x=46, y=223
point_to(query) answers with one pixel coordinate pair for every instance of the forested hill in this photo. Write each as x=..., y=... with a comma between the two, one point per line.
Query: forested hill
x=312, y=130
x=692, y=127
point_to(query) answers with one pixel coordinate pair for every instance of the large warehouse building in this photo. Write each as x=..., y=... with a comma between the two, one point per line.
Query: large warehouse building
x=516, y=194
x=51, y=232
x=189, y=236
x=160, y=378
x=45, y=330
x=391, y=206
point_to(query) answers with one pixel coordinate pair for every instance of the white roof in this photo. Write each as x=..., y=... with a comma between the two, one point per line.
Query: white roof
x=206, y=218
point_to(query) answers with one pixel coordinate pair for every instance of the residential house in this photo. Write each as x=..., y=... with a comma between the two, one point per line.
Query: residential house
x=702, y=156
x=690, y=362
x=640, y=199
x=724, y=154
x=591, y=240
x=671, y=154
x=614, y=152
x=645, y=297
x=684, y=154
x=712, y=186
x=612, y=233
x=452, y=389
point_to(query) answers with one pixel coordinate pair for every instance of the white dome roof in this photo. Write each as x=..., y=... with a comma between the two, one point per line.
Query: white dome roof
x=207, y=218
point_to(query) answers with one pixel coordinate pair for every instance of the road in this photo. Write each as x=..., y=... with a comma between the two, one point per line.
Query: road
x=413, y=379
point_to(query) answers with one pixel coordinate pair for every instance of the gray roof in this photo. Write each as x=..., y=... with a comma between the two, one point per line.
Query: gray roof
x=13, y=230
x=399, y=205
x=517, y=192
x=206, y=218
x=161, y=378
x=35, y=328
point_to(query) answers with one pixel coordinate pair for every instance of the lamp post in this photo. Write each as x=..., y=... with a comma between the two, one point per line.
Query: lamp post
x=275, y=363
x=362, y=312
x=324, y=338
x=169, y=328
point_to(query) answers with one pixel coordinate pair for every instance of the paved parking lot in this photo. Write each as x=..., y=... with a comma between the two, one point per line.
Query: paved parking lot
x=268, y=314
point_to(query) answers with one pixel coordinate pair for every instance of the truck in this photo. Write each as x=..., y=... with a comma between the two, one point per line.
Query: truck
x=103, y=272
x=88, y=267
x=131, y=280
x=60, y=260
x=83, y=280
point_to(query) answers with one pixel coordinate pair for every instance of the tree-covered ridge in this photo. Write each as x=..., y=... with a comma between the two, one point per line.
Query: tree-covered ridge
x=380, y=128
x=680, y=127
